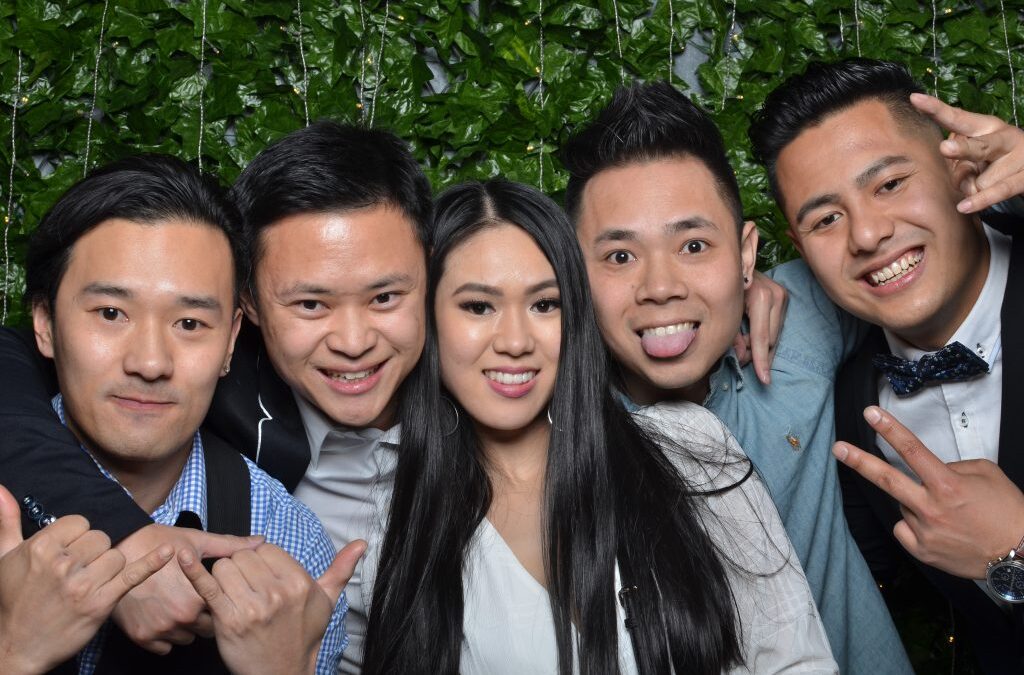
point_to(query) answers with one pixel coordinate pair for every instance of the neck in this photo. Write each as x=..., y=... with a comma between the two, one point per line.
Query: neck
x=516, y=457
x=644, y=393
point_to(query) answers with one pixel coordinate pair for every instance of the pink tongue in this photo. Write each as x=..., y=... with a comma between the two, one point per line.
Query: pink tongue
x=667, y=346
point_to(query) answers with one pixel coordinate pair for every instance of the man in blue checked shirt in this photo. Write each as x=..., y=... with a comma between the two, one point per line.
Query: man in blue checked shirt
x=133, y=285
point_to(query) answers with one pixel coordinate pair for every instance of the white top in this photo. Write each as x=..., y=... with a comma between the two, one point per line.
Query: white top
x=348, y=486
x=508, y=624
x=958, y=420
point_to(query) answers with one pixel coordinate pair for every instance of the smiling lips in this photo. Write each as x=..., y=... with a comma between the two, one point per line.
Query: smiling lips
x=512, y=382
x=895, y=270
x=665, y=342
x=352, y=381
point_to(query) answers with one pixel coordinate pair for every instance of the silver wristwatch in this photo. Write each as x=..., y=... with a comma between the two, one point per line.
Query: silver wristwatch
x=1005, y=576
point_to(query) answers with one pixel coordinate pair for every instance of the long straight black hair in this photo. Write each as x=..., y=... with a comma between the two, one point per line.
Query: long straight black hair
x=610, y=495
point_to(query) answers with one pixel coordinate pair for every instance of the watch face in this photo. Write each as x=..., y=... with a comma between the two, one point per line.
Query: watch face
x=1006, y=579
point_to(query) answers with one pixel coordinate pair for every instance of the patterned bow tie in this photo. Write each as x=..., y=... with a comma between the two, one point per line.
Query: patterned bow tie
x=952, y=363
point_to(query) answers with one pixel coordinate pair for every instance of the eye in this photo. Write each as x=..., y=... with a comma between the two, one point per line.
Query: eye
x=384, y=298
x=826, y=221
x=890, y=185
x=310, y=305
x=111, y=314
x=190, y=325
x=695, y=246
x=547, y=305
x=476, y=307
x=620, y=257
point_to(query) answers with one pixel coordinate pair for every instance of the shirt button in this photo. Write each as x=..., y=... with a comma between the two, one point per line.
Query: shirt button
x=963, y=420
x=725, y=387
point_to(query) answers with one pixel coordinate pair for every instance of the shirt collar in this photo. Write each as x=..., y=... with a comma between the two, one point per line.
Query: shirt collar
x=729, y=366
x=188, y=494
x=980, y=331
x=320, y=428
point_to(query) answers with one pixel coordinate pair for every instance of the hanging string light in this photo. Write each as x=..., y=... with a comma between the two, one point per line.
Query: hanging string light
x=9, y=213
x=618, y=40
x=362, y=62
x=856, y=23
x=540, y=91
x=935, y=50
x=380, y=59
x=1009, y=62
x=302, y=56
x=671, y=35
x=202, y=88
x=842, y=34
x=727, y=47
x=95, y=86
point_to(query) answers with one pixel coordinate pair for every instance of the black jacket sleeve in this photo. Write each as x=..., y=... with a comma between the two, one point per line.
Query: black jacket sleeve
x=41, y=458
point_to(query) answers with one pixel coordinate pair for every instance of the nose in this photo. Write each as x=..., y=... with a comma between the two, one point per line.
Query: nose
x=662, y=280
x=513, y=335
x=868, y=229
x=149, y=353
x=351, y=334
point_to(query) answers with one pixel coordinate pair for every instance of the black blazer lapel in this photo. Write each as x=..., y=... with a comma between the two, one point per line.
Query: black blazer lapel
x=1011, y=427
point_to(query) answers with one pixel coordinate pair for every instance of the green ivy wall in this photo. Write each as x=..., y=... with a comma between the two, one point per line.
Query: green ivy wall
x=478, y=89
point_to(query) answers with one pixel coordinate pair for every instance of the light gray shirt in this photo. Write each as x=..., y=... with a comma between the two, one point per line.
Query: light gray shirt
x=348, y=486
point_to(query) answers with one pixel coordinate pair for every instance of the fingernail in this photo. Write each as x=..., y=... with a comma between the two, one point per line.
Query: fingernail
x=964, y=206
x=840, y=451
x=873, y=415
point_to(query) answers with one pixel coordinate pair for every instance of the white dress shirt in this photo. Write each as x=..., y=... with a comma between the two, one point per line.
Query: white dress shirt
x=348, y=486
x=508, y=625
x=958, y=420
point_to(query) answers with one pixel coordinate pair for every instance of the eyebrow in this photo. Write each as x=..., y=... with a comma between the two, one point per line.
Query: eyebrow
x=674, y=227
x=861, y=181
x=474, y=287
x=390, y=280
x=189, y=301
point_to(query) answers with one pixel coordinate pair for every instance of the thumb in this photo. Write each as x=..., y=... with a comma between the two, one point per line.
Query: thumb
x=10, y=522
x=221, y=545
x=333, y=580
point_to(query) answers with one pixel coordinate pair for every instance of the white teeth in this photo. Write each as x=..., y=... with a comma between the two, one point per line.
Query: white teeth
x=660, y=331
x=362, y=374
x=510, y=378
x=895, y=270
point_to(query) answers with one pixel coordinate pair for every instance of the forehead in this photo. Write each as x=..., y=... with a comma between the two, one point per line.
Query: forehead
x=171, y=256
x=838, y=148
x=337, y=247
x=503, y=255
x=645, y=196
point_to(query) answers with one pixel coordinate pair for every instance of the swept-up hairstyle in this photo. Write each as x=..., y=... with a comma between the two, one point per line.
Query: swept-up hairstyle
x=143, y=189
x=329, y=167
x=805, y=100
x=643, y=123
x=610, y=495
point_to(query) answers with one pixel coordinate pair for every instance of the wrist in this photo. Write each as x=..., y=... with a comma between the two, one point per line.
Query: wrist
x=13, y=662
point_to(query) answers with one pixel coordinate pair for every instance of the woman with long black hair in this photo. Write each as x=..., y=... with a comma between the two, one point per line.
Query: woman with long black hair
x=536, y=526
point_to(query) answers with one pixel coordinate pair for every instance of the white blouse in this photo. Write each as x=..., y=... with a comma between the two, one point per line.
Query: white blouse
x=508, y=624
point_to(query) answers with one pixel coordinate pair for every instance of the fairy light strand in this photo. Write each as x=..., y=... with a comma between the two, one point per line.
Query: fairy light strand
x=302, y=57
x=95, y=86
x=202, y=76
x=362, y=62
x=540, y=92
x=935, y=50
x=842, y=33
x=856, y=23
x=8, y=217
x=727, y=47
x=380, y=58
x=1009, y=62
x=671, y=36
x=618, y=40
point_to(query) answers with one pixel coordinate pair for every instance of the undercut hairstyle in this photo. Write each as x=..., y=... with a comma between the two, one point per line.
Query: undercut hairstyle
x=643, y=123
x=145, y=189
x=805, y=100
x=611, y=495
x=330, y=168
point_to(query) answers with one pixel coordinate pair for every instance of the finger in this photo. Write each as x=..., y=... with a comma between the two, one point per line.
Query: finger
x=221, y=545
x=254, y=567
x=10, y=522
x=929, y=468
x=955, y=119
x=886, y=477
x=907, y=538
x=90, y=546
x=980, y=149
x=134, y=573
x=760, y=329
x=65, y=530
x=208, y=588
x=741, y=343
x=203, y=625
x=334, y=579
x=232, y=582
x=992, y=195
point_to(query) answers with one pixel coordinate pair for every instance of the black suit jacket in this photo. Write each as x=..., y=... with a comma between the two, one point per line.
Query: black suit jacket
x=872, y=514
x=41, y=458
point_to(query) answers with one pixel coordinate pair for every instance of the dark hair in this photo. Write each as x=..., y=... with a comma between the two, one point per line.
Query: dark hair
x=823, y=89
x=646, y=122
x=143, y=189
x=610, y=495
x=329, y=167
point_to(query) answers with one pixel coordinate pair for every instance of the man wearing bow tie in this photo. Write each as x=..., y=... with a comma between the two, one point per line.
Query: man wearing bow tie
x=886, y=222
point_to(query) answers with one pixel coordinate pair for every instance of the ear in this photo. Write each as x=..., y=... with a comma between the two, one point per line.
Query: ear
x=748, y=249
x=249, y=306
x=964, y=174
x=236, y=325
x=42, y=325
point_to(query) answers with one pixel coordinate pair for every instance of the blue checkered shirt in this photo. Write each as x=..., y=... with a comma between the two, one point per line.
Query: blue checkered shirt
x=282, y=519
